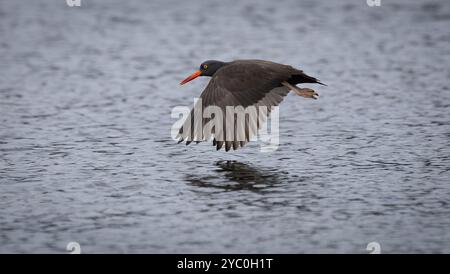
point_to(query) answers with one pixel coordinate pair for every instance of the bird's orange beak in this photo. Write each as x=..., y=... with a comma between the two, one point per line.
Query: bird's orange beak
x=191, y=77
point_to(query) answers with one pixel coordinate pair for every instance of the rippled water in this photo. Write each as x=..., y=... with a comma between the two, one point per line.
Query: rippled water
x=86, y=155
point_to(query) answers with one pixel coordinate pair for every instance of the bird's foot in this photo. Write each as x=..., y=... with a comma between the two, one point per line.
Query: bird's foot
x=307, y=93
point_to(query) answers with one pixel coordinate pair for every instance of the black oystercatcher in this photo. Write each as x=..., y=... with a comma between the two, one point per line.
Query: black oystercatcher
x=242, y=83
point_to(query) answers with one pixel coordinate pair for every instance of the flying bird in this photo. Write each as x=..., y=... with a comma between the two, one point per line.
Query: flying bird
x=243, y=83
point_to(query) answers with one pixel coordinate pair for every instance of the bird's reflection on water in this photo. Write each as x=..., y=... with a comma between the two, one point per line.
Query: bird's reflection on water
x=234, y=175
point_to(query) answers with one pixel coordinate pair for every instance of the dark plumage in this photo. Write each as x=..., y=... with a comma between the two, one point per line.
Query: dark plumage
x=246, y=83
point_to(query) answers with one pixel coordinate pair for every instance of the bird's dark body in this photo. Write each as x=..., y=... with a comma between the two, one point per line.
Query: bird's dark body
x=250, y=81
x=246, y=83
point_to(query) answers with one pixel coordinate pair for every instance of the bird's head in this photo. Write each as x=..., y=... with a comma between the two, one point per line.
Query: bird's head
x=207, y=68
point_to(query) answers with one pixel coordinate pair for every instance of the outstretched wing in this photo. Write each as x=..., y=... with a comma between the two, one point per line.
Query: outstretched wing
x=241, y=83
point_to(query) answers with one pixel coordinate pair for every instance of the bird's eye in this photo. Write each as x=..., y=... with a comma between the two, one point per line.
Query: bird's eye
x=205, y=66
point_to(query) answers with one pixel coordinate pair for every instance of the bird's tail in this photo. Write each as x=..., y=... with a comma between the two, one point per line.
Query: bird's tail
x=302, y=77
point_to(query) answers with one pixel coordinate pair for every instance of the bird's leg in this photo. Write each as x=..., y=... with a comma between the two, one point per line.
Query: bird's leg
x=304, y=92
x=307, y=93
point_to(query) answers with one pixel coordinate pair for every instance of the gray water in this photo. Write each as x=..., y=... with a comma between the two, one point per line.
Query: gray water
x=86, y=154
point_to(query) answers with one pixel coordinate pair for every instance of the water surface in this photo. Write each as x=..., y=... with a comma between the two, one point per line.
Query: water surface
x=85, y=149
